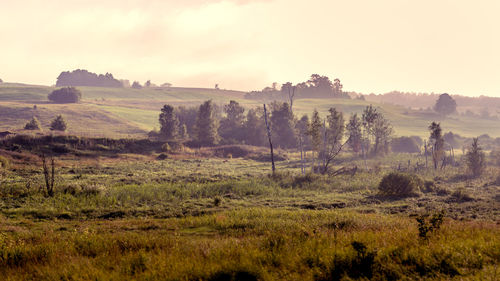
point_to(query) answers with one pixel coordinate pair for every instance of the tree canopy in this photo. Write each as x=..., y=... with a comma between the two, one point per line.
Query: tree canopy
x=445, y=105
x=82, y=77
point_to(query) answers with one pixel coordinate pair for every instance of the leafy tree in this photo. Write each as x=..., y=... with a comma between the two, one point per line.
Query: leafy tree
x=334, y=133
x=476, y=159
x=335, y=130
x=33, y=124
x=315, y=133
x=436, y=142
x=58, y=124
x=207, y=125
x=147, y=84
x=445, y=105
x=187, y=116
x=231, y=127
x=302, y=128
x=169, y=123
x=354, y=134
x=382, y=131
x=1, y=81
x=65, y=95
x=136, y=85
x=283, y=127
x=254, y=129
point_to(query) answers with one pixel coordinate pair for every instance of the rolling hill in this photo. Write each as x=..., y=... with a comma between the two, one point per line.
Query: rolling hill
x=126, y=112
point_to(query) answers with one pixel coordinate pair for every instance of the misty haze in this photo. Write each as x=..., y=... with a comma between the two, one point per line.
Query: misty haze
x=249, y=140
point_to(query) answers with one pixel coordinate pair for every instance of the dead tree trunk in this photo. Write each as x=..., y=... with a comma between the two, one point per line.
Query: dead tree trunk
x=270, y=140
x=302, y=168
x=49, y=176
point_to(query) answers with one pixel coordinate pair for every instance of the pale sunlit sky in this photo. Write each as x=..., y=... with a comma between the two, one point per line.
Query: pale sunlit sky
x=372, y=46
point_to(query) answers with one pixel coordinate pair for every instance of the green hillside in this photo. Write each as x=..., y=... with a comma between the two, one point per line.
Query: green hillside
x=132, y=112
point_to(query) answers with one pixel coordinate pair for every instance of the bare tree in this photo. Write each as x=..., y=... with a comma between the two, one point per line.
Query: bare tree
x=269, y=137
x=49, y=176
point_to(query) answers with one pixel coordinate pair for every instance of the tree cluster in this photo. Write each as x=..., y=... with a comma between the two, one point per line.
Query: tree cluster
x=317, y=86
x=210, y=125
x=65, y=95
x=82, y=77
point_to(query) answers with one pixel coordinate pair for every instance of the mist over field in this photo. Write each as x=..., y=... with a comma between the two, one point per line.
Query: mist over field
x=249, y=140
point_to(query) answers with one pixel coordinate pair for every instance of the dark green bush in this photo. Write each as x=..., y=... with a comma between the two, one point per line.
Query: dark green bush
x=405, y=145
x=33, y=124
x=400, y=184
x=65, y=95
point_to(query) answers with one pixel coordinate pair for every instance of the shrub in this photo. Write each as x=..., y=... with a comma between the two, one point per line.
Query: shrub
x=33, y=124
x=58, y=124
x=400, y=184
x=65, y=95
x=405, y=145
x=461, y=195
x=426, y=227
x=475, y=158
x=4, y=162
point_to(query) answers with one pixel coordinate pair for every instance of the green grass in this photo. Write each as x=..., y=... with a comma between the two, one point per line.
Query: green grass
x=261, y=243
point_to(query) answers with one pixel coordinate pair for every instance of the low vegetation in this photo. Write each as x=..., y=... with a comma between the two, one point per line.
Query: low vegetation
x=197, y=199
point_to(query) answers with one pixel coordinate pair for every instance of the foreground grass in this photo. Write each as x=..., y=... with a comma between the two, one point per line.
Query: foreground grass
x=257, y=244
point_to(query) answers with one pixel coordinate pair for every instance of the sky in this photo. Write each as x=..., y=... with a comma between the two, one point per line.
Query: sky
x=436, y=46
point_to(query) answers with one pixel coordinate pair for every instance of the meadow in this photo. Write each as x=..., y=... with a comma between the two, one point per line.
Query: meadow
x=199, y=216
x=126, y=209
x=126, y=112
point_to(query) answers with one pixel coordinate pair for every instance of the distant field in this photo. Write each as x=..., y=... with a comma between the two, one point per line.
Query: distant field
x=130, y=112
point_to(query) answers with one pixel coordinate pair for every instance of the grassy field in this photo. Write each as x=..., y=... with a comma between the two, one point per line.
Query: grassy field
x=130, y=112
x=195, y=217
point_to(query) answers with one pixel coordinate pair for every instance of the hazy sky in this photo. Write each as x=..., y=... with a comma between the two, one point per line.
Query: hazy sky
x=372, y=46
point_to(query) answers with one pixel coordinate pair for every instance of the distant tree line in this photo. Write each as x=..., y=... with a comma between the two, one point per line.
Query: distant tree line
x=82, y=77
x=486, y=107
x=316, y=87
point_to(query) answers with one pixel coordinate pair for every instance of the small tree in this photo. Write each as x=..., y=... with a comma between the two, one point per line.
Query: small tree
x=136, y=85
x=207, y=124
x=65, y=95
x=169, y=123
x=354, y=134
x=254, y=128
x=58, y=124
x=231, y=126
x=334, y=133
x=283, y=126
x=476, y=159
x=437, y=143
x=315, y=133
x=33, y=124
x=382, y=131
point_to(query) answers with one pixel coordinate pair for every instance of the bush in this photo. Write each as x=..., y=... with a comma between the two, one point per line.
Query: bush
x=4, y=162
x=405, y=145
x=33, y=124
x=476, y=159
x=58, y=124
x=66, y=95
x=400, y=185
